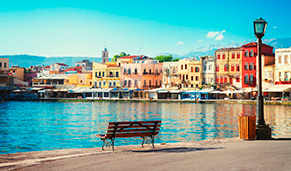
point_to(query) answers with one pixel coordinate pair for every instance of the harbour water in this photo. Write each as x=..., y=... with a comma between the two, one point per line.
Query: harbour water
x=36, y=126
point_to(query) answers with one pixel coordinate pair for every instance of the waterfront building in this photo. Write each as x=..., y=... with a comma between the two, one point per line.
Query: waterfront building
x=58, y=67
x=79, y=80
x=17, y=76
x=50, y=81
x=228, y=66
x=190, y=73
x=208, y=70
x=170, y=74
x=249, y=62
x=105, y=75
x=4, y=72
x=143, y=74
x=283, y=66
x=29, y=74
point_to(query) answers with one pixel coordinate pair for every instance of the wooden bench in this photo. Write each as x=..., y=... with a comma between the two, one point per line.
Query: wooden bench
x=145, y=129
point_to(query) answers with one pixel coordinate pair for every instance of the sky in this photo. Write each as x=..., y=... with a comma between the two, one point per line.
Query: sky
x=85, y=27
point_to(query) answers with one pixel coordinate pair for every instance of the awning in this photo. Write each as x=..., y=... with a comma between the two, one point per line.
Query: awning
x=175, y=91
x=278, y=88
x=35, y=88
x=205, y=90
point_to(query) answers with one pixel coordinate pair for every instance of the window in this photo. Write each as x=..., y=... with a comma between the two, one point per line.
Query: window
x=247, y=53
x=280, y=59
x=225, y=79
x=225, y=67
x=218, y=56
x=217, y=79
x=129, y=83
x=191, y=78
x=96, y=74
x=186, y=77
x=4, y=64
x=103, y=74
x=117, y=74
x=285, y=60
x=99, y=83
x=157, y=72
x=237, y=79
x=124, y=71
x=0, y=64
x=160, y=83
x=251, y=79
x=99, y=74
x=232, y=67
x=156, y=83
x=221, y=79
x=196, y=69
x=95, y=84
x=114, y=84
x=233, y=55
x=217, y=68
x=237, y=55
x=125, y=83
x=144, y=83
x=286, y=76
x=129, y=71
x=237, y=67
x=246, y=79
x=144, y=71
x=192, y=69
x=279, y=75
x=223, y=55
x=185, y=66
x=246, y=66
x=150, y=83
x=181, y=67
x=110, y=84
x=104, y=83
x=196, y=78
x=135, y=83
x=251, y=66
x=135, y=71
x=251, y=53
x=210, y=67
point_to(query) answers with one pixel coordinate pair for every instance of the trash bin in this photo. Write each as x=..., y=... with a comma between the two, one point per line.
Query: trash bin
x=247, y=127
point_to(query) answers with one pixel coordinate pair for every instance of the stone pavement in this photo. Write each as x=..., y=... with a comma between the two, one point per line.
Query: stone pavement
x=221, y=154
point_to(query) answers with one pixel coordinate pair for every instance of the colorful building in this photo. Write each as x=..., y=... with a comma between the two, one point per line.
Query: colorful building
x=228, y=66
x=249, y=62
x=4, y=72
x=105, y=75
x=79, y=80
x=170, y=74
x=190, y=73
x=143, y=74
x=130, y=59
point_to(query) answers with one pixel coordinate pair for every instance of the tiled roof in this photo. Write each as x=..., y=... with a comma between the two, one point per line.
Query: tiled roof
x=62, y=64
x=252, y=44
x=47, y=67
x=128, y=57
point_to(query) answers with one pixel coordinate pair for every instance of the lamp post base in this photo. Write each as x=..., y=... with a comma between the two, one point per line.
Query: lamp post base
x=263, y=132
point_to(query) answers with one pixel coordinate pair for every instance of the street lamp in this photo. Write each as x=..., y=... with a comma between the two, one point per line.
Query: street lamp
x=263, y=131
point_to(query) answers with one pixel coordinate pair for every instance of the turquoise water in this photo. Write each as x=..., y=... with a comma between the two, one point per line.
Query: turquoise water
x=37, y=126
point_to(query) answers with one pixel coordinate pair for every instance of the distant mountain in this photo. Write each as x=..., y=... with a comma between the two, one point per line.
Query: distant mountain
x=28, y=60
x=279, y=42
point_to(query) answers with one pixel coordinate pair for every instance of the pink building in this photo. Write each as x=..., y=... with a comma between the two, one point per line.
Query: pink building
x=143, y=74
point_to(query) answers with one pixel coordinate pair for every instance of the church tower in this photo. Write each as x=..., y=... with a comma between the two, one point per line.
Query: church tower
x=105, y=56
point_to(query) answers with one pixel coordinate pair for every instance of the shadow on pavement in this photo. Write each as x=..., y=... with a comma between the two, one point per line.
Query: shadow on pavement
x=176, y=150
x=281, y=139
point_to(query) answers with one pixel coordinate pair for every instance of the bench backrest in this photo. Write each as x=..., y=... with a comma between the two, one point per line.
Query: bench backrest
x=133, y=129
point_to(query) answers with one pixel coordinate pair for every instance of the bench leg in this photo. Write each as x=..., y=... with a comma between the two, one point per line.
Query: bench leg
x=112, y=143
x=153, y=141
x=104, y=141
x=142, y=142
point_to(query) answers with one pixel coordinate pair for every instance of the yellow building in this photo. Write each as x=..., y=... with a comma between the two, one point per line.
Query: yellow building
x=79, y=80
x=190, y=73
x=105, y=75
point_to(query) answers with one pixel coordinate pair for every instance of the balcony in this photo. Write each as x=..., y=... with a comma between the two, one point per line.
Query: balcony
x=150, y=86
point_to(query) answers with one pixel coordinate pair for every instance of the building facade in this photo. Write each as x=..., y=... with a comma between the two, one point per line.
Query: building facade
x=283, y=66
x=105, y=75
x=208, y=73
x=143, y=74
x=249, y=62
x=170, y=74
x=228, y=63
x=190, y=73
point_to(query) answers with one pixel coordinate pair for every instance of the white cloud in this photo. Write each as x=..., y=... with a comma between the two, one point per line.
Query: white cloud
x=217, y=35
x=200, y=41
x=180, y=43
x=274, y=27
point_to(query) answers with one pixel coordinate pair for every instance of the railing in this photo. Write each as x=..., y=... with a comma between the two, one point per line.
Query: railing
x=151, y=86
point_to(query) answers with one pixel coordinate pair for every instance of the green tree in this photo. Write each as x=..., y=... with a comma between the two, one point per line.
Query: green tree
x=164, y=58
x=177, y=59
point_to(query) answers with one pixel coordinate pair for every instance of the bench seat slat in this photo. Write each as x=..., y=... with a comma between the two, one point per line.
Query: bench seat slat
x=134, y=126
x=130, y=135
x=132, y=130
x=130, y=122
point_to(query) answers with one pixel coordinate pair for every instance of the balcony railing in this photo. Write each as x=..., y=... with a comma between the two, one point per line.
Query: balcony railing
x=151, y=86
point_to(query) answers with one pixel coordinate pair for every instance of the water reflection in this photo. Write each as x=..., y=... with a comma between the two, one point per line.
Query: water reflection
x=34, y=126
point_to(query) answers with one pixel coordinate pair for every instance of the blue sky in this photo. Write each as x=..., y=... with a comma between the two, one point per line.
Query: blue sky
x=83, y=28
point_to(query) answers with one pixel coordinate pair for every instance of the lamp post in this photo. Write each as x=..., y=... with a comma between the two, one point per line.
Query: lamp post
x=263, y=131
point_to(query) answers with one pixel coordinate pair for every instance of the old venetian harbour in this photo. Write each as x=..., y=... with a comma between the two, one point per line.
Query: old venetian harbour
x=38, y=126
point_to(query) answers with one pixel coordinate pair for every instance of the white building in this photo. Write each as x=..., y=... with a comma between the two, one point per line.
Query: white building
x=170, y=74
x=208, y=72
x=283, y=64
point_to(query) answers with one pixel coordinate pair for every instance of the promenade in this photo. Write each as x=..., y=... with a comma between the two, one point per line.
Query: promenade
x=222, y=154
